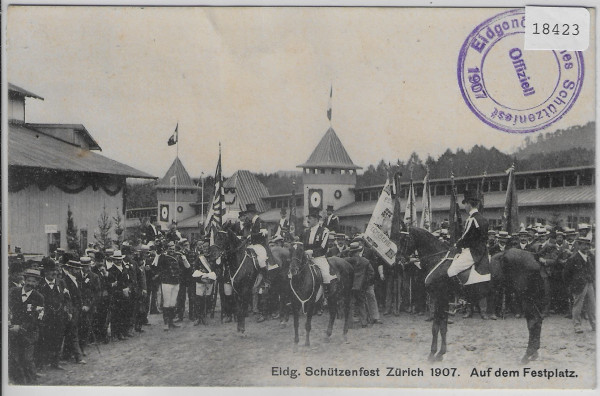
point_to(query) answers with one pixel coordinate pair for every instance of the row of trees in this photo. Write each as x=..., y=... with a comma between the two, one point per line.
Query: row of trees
x=110, y=231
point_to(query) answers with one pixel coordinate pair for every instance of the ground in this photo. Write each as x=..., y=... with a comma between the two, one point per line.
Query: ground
x=215, y=355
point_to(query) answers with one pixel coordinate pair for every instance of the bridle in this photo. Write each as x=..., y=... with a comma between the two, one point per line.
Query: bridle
x=300, y=270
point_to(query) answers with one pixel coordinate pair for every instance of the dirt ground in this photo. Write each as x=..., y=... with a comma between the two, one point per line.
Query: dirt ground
x=215, y=355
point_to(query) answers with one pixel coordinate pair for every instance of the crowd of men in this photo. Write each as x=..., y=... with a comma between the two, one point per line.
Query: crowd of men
x=61, y=304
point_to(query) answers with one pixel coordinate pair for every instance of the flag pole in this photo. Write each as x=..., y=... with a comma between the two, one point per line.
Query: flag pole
x=177, y=148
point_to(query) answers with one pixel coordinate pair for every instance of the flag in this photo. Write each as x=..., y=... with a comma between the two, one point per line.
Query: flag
x=214, y=218
x=293, y=211
x=426, y=214
x=454, y=222
x=377, y=234
x=174, y=137
x=510, y=217
x=329, y=106
x=480, y=192
x=410, y=213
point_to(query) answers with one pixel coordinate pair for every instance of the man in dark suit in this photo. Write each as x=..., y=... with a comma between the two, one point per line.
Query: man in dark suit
x=56, y=309
x=100, y=322
x=152, y=230
x=120, y=285
x=90, y=293
x=283, y=227
x=72, y=279
x=363, y=273
x=332, y=222
x=25, y=310
x=474, y=239
x=580, y=274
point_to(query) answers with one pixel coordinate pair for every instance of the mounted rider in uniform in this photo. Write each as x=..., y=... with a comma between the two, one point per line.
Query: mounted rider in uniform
x=314, y=239
x=474, y=239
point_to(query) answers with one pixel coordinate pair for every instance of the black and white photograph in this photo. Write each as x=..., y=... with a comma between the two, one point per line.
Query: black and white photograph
x=286, y=196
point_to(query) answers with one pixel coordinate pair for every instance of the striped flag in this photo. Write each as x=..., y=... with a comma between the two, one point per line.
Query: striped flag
x=214, y=218
x=329, y=106
x=426, y=215
x=174, y=137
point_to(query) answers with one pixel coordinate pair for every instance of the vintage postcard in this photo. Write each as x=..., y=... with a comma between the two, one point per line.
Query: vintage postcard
x=299, y=197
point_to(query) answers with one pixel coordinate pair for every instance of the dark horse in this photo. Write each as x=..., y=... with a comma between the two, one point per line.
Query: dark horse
x=513, y=265
x=305, y=282
x=241, y=267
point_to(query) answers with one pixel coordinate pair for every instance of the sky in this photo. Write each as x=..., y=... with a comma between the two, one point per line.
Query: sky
x=257, y=80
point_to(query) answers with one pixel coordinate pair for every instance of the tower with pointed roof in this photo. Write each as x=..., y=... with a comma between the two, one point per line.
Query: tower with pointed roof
x=329, y=175
x=176, y=193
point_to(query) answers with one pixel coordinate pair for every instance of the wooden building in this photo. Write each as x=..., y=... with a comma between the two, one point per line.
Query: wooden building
x=53, y=168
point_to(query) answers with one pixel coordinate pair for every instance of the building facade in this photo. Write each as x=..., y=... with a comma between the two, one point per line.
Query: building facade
x=53, y=169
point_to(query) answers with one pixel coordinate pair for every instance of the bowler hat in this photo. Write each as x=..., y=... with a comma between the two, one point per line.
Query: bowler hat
x=314, y=212
x=48, y=264
x=283, y=211
x=330, y=208
x=250, y=208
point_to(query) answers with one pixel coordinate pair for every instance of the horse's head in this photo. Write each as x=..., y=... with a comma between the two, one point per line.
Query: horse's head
x=298, y=258
x=404, y=241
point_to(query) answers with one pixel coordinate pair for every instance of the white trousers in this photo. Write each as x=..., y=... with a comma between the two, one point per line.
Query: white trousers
x=261, y=254
x=169, y=293
x=323, y=265
x=461, y=262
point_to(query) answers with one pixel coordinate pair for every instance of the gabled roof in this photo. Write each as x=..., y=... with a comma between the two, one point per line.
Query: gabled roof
x=248, y=189
x=330, y=153
x=30, y=148
x=12, y=88
x=49, y=128
x=176, y=172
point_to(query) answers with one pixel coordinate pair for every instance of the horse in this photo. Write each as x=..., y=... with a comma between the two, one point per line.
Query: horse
x=513, y=265
x=240, y=265
x=305, y=282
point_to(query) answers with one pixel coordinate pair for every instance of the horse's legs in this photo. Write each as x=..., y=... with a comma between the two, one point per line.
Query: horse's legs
x=346, y=315
x=296, y=313
x=333, y=304
x=309, y=313
x=442, y=313
x=534, y=326
x=435, y=328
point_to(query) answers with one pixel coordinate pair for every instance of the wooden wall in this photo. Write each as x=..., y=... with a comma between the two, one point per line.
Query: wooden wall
x=30, y=209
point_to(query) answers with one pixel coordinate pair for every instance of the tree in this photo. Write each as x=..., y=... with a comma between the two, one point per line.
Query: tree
x=72, y=237
x=102, y=235
x=118, y=219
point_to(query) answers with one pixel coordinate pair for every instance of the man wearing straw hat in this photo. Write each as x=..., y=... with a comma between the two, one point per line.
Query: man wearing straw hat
x=580, y=274
x=119, y=282
x=26, y=309
x=72, y=279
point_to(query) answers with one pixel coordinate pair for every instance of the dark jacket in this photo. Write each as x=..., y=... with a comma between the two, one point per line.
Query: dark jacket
x=333, y=223
x=56, y=302
x=169, y=269
x=74, y=289
x=22, y=314
x=256, y=237
x=90, y=290
x=363, y=272
x=475, y=236
x=319, y=244
x=578, y=272
x=122, y=280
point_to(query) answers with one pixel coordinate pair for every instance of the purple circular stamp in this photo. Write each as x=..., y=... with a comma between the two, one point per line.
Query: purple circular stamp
x=511, y=89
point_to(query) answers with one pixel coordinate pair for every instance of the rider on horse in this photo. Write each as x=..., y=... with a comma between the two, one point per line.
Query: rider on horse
x=257, y=234
x=314, y=239
x=474, y=239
